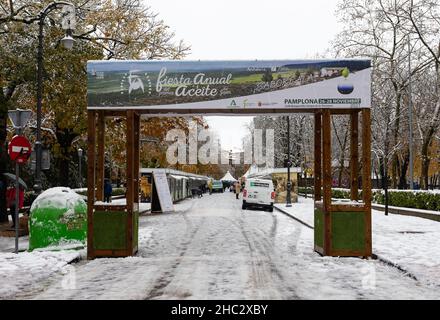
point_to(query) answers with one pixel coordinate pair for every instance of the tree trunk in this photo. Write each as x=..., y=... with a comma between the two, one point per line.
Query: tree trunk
x=427, y=139
x=395, y=158
x=403, y=170
x=64, y=138
x=4, y=160
x=425, y=165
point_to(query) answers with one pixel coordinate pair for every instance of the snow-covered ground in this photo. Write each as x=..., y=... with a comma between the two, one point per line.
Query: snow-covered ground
x=410, y=242
x=29, y=272
x=211, y=249
x=143, y=207
x=7, y=244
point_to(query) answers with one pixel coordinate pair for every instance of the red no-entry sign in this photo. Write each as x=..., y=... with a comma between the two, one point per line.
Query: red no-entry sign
x=19, y=149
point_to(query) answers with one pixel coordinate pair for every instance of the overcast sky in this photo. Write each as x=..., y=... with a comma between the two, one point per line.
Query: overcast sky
x=249, y=29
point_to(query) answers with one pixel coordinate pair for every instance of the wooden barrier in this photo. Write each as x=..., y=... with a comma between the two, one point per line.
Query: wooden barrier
x=342, y=229
x=112, y=229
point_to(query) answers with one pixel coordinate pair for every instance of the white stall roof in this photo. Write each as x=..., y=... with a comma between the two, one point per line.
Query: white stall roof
x=228, y=177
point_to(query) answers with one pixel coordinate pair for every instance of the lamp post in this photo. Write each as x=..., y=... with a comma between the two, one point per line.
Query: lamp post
x=410, y=116
x=384, y=176
x=289, y=164
x=67, y=41
x=80, y=154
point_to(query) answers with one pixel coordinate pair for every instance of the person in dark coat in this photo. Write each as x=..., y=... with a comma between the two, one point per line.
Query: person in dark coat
x=108, y=190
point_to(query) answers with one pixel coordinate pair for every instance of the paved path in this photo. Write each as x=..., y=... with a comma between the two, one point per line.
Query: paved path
x=211, y=249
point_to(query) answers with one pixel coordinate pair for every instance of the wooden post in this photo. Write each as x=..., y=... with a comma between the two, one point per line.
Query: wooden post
x=136, y=156
x=130, y=180
x=354, y=155
x=327, y=178
x=91, y=146
x=317, y=156
x=100, y=157
x=366, y=176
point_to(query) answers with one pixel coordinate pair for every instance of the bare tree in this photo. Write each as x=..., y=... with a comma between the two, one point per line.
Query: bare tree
x=378, y=30
x=424, y=16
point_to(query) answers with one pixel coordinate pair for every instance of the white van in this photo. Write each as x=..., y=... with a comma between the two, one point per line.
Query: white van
x=258, y=193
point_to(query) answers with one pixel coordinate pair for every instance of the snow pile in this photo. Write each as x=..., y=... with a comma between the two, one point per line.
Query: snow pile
x=58, y=198
x=27, y=271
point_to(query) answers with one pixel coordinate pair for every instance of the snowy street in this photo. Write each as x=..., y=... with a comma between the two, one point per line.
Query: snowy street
x=211, y=249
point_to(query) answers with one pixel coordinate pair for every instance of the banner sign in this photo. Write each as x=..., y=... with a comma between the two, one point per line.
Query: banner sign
x=228, y=85
x=163, y=191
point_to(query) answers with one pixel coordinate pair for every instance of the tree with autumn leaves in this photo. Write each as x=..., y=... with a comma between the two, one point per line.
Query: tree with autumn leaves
x=105, y=30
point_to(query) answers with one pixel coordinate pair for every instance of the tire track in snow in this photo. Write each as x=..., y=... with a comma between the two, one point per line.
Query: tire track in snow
x=264, y=244
x=167, y=277
x=261, y=250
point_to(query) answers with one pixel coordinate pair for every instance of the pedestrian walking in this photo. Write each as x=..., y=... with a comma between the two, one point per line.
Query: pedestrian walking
x=108, y=190
x=210, y=186
x=237, y=189
x=11, y=201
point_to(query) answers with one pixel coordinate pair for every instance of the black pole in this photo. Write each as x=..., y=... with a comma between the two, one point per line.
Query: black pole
x=17, y=203
x=289, y=183
x=385, y=183
x=37, y=183
x=38, y=156
x=305, y=177
x=80, y=171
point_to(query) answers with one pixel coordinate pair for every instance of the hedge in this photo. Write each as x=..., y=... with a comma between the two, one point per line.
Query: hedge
x=416, y=200
x=424, y=200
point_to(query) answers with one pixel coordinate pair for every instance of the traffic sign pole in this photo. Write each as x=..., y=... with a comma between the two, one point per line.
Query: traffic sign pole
x=19, y=151
x=17, y=200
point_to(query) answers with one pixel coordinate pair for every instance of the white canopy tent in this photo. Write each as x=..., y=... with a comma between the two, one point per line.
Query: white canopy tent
x=253, y=169
x=228, y=177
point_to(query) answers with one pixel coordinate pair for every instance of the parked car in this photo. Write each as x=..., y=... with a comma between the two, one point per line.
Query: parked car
x=258, y=193
x=217, y=186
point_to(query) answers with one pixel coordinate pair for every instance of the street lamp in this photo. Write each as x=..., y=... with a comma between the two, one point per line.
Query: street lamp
x=68, y=40
x=68, y=24
x=384, y=176
x=80, y=154
x=410, y=116
x=289, y=164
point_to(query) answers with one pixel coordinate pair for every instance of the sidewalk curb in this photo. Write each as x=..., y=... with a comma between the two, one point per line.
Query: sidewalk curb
x=424, y=214
x=293, y=217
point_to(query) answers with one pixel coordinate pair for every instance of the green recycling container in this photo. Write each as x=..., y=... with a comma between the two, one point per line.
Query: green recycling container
x=58, y=220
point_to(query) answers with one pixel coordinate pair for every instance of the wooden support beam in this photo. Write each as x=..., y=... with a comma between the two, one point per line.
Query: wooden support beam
x=366, y=176
x=91, y=149
x=317, y=156
x=327, y=178
x=136, y=156
x=354, y=155
x=130, y=180
x=100, y=157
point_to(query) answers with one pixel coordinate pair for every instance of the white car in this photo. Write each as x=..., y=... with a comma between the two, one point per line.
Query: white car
x=258, y=193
